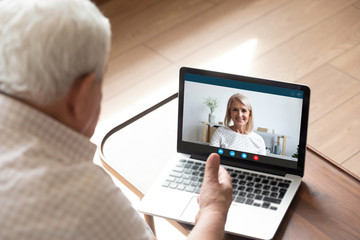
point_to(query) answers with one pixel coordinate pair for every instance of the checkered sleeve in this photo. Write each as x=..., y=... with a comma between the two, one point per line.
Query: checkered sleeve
x=111, y=215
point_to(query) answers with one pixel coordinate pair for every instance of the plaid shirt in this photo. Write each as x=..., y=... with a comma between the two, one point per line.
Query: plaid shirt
x=49, y=186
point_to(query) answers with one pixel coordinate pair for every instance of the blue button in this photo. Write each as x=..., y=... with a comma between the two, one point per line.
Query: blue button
x=232, y=153
x=244, y=155
x=220, y=151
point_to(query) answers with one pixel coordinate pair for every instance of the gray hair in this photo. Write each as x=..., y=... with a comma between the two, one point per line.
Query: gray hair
x=45, y=45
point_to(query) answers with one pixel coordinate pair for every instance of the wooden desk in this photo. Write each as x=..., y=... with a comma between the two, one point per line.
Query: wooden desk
x=327, y=205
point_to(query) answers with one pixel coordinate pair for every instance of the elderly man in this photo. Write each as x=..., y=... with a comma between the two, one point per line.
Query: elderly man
x=52, y=60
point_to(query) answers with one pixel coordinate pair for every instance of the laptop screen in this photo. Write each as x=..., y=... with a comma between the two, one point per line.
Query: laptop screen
x=248, y=121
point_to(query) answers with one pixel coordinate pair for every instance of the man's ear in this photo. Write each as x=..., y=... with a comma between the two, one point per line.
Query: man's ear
x=78, y=95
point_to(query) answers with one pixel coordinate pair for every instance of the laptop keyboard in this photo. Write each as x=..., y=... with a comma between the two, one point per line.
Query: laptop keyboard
x=248, y=188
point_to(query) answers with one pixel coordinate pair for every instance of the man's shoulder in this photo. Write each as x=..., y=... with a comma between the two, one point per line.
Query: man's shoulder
x=91, y=173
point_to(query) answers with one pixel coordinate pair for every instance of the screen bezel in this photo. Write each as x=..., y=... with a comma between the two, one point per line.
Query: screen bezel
x=203, y=150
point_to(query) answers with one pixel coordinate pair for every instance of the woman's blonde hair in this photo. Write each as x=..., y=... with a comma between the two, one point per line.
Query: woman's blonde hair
x=244, y=100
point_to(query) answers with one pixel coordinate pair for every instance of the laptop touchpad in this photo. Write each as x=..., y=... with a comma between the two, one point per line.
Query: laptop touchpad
x=191, y=210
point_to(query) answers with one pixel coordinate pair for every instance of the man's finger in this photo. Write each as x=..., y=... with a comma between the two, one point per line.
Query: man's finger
x=212, y=167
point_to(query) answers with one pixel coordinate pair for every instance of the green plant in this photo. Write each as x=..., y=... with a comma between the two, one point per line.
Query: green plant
x=296, y=155
x=212, y=103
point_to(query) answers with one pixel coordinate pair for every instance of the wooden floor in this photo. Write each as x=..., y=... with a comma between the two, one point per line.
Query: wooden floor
x=315, y=42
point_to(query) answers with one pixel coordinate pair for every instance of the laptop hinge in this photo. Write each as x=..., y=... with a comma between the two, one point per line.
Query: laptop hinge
x=198, y=157
x=251, y=167
x=261, y=169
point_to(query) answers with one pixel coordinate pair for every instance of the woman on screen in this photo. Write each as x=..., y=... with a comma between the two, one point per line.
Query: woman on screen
x=239, y=136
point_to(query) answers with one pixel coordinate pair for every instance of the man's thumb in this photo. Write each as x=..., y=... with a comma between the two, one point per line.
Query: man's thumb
x=212, y=167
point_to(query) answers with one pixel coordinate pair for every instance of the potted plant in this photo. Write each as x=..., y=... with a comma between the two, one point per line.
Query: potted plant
x=212, y=103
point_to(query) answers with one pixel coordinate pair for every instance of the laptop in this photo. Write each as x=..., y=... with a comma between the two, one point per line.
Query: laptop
x=265, y=176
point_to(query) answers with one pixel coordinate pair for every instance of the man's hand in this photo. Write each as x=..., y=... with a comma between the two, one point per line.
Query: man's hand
x=214, y=201
x=216, y=192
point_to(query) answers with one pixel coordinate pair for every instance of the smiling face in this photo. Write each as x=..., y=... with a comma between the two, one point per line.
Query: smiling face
x=240, y=112
x=240, y=115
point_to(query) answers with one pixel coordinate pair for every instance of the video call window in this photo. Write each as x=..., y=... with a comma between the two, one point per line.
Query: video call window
x=276, y=115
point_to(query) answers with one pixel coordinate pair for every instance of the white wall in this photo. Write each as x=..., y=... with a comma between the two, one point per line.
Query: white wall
x=283, y=114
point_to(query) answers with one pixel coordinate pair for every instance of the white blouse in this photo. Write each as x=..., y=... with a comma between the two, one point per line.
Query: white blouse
x=224, y=137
